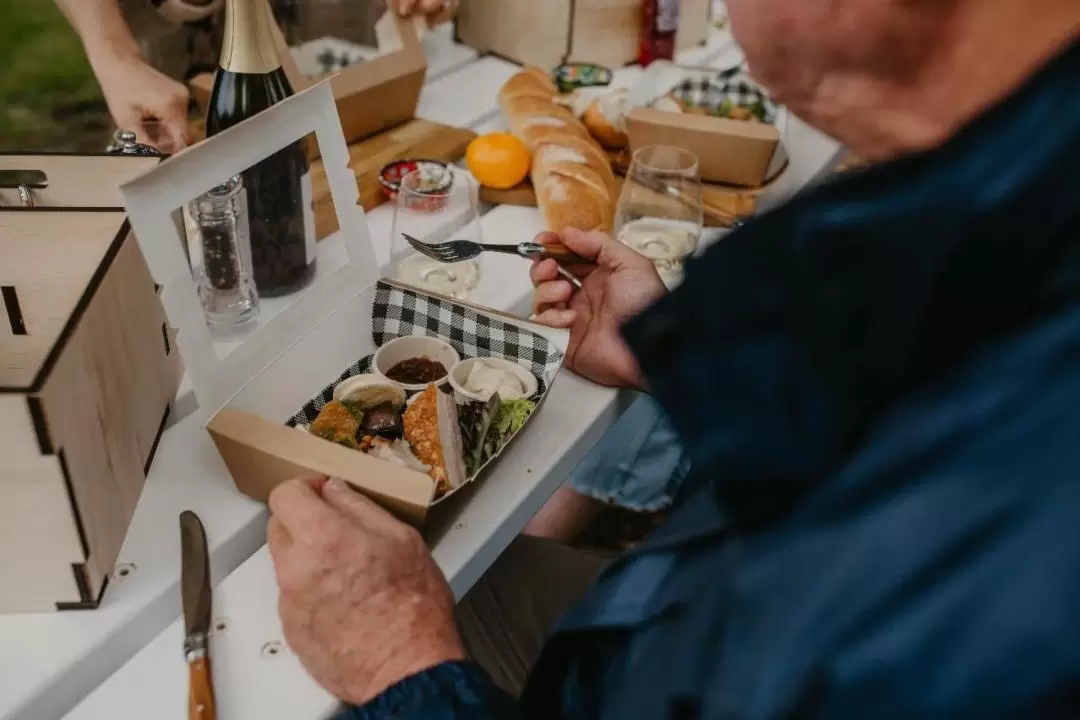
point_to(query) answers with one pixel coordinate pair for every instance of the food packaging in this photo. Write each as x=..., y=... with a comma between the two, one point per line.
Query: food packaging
x=254, y=394
x=89, y=371
x=733, y=152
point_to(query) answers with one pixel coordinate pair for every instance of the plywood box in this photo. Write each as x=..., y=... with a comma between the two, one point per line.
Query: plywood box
x=253, y=394
x=371, y=96
x=87, y=372
x=553, y=32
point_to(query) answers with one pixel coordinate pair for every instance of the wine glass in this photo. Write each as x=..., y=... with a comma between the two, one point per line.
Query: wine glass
x=435, y=204
x=659, y=213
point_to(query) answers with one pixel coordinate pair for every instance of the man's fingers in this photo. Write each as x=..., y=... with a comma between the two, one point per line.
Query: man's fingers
x=543, y=271
x=339, y=495
x=300, y=507
x=552, y=293
x=600, y=247
x=277, y=537
x=586, y=244
x=562, y=319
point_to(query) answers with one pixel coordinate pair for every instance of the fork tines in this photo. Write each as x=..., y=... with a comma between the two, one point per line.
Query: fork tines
x=443, y=252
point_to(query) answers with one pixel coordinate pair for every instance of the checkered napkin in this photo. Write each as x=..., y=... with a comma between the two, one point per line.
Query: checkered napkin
x=398, y=312
x=331, y=60
x=732, y=87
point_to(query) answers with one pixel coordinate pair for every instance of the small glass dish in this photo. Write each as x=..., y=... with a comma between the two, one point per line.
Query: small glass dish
x=433, y=178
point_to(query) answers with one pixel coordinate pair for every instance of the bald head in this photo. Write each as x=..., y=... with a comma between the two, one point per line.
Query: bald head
x=890, y=76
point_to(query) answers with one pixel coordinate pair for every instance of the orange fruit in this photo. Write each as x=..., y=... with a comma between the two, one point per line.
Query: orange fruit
x=498, y=160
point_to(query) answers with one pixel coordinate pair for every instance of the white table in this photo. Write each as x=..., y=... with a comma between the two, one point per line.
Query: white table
x=256, y=675
x=48, y=663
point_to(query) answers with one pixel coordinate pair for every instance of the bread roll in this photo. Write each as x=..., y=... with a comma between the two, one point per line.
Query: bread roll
x=606, y=120
x=572, y=177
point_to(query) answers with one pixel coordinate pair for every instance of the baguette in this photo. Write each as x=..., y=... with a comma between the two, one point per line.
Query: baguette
x=558, y=149
x=571, y=176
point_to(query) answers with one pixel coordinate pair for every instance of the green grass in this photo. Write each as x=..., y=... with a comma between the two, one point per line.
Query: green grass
x=50, y=98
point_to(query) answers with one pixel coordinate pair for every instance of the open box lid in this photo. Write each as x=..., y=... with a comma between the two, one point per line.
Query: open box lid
x=153, y=198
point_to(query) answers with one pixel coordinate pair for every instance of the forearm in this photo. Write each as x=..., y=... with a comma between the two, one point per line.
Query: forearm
x=101, y=27
x=450, y=691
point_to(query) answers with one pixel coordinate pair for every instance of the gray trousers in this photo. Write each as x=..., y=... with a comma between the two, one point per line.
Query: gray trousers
x=507, y=616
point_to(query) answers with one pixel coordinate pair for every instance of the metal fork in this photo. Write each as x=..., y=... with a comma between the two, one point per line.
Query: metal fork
x=461, y=250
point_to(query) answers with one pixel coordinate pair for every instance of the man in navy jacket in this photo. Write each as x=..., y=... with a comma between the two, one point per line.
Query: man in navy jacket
x=878, y=385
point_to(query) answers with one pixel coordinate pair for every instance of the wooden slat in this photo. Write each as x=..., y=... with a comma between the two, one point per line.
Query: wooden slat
x=38, y=538
x=76, y=180
x=49, y=259
x=104, y=402
x=415, y=139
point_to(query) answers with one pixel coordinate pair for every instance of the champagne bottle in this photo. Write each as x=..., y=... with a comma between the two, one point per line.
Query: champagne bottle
x=249, y=80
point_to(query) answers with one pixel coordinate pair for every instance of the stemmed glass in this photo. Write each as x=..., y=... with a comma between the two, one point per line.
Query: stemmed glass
x=435, y=205
x=659, y=213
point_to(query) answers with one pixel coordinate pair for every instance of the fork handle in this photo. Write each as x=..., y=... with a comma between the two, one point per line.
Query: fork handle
x=556, y=251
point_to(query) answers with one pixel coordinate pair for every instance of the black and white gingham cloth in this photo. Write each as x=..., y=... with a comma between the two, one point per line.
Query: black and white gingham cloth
x=731, y=87
x=331, y=61
x=398, y=312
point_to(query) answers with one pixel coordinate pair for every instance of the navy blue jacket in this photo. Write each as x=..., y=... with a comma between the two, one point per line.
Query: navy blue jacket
x=879, y=388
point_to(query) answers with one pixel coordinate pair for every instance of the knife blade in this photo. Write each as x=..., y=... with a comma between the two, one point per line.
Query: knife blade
x=195, y=596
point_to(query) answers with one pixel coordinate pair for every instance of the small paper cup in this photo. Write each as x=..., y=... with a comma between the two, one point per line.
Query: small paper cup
x=460, y=373
x=413, y=346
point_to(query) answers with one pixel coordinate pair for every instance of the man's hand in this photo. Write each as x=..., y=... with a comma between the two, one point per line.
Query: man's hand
x=362, y=602
x=620, y=285
x=436, y=11
x=136, y=92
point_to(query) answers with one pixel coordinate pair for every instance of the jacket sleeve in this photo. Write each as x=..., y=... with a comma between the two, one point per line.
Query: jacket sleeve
x=451, y=691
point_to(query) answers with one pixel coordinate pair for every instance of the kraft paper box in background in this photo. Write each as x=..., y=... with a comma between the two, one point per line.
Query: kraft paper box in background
x=250, y=394
x=371, y=96
x=549, y=33
x=87, y=374
x=732, y=152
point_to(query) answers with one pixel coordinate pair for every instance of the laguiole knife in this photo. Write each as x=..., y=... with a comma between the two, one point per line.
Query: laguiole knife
x=195, y=593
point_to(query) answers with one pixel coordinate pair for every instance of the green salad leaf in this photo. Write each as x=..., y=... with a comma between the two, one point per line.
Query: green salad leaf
x=511, y=416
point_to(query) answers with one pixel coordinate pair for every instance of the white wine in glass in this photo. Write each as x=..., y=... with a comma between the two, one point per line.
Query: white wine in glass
x=659, y=212
x=435, y=205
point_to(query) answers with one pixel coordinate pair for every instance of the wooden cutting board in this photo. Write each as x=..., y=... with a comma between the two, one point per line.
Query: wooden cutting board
x=416, y=139
x=722, y=204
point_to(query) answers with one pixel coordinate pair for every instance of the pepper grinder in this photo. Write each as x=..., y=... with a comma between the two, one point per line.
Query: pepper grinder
x=226, y=286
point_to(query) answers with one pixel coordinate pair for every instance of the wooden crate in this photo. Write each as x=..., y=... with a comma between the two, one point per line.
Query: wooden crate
x=87, y=372
x=549, y=33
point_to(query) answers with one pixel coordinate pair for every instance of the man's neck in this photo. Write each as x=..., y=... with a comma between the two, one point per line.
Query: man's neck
x=990, y=48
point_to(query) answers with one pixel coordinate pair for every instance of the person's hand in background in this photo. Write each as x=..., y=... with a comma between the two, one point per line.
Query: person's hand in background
x=136, y=92
x=620, y=285
x=436, y=11
x=362, y=603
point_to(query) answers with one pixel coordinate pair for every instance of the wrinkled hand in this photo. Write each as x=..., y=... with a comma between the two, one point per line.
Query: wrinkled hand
x=620, y=285
x=136, y=92
x=363, y=604
x=436, y=11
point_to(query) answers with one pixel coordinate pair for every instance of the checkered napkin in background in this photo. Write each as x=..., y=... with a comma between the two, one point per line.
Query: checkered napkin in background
x=732, y=87
x=398, y=312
